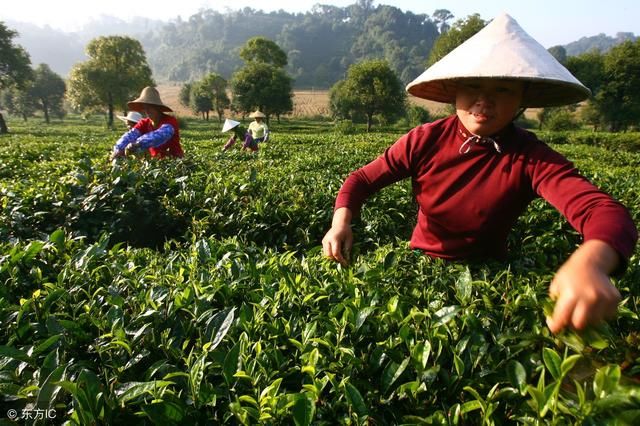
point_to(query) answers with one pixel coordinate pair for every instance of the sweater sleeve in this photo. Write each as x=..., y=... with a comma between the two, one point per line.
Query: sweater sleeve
x=127, y=139
x=395, y=164
x=157, y=137
x=590, y=211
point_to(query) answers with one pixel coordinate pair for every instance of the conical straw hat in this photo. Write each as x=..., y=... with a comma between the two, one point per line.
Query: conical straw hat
x=502, y=50
x=257, y=114
x=149, y=96
x=229, y=124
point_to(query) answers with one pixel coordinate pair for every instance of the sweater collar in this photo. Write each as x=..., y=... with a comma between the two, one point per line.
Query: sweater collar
x=467, y=139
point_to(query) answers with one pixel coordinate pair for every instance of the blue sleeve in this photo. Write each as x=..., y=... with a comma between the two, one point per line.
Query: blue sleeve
x=156, y=138
x=127, y=139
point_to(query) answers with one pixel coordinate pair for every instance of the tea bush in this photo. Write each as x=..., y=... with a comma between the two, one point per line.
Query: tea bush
x=194, y=291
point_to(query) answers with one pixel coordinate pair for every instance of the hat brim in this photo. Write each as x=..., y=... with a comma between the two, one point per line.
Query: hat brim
x=539, y=92
x=139, y=106
x=502, y=50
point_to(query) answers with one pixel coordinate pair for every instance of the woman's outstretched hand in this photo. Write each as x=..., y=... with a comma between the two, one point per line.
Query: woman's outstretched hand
x=337, y=242
x=582, y=288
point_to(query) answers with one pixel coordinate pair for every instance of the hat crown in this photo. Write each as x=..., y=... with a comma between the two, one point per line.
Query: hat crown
x=149, y=96
x=502, y=50
x=229, y=124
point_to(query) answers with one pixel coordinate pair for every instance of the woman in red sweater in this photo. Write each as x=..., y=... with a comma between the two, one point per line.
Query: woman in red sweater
x=475, y=172
x=157, y=133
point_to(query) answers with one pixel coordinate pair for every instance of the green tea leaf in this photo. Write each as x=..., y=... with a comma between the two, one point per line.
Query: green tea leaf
x=568, y=363
x=11, y=352
x=219, y=331
x=362, y=316
x=389, y=260
x=464, y=286
x=165, y=412
x=355, y=400
x=231, y=364
x=392, y=372
x=132, y=390
x=304, y=409
x=517, y=375
x=553, y=362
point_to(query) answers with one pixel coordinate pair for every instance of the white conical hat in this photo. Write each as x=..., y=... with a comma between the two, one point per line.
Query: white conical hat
x=131, y=116
x=229, y=124
x=502, y=49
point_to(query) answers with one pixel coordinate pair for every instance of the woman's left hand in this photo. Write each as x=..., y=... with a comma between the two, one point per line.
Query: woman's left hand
x=582, y=288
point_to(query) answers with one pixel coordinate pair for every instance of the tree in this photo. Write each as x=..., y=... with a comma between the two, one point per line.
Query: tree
x=15, y=65
x=115, y=72
x=264, y=87
x=441, y=18
x=614, y=80
x=200, y=99
x=459, y=32
x=47, y=90
x=618, y=98
x=371, y=87
x=185, y=95
x=588, y=68
x=217, y=87
x=263, y=50
x=558, y=52
x=262, y=83
x=18, y=101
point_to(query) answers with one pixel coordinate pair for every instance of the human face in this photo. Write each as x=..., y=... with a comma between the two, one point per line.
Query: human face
x=486, y=106
x=153, y=112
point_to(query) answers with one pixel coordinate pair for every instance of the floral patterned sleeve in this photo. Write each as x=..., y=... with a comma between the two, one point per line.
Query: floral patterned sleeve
x=156, y=138
x=126, y=139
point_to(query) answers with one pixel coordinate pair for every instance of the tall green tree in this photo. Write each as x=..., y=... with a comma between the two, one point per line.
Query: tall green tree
x=614, y=80
x=15, y=65
x=18, y=101
x=47, y=90
x=588, y=68
x=262, y=83
x=115, y=73
x=618, y=98
x=459, y=32
x=371, y=88
x=263, y=50
x=217, y=87
x=200, y=99
x=264, y=87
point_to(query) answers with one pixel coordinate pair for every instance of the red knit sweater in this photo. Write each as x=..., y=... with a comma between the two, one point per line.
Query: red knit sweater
x=468, y=202
x=170, y=148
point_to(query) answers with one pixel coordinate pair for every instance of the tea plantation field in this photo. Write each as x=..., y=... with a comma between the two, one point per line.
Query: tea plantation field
x=194, y=291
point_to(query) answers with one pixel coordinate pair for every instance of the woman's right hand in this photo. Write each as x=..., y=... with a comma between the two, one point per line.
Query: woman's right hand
x=337, y=242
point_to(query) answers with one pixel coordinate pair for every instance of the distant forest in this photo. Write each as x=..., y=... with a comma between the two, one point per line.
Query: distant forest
x=321, y=44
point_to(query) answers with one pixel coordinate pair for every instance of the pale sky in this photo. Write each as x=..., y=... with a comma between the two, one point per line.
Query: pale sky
x=550, y=22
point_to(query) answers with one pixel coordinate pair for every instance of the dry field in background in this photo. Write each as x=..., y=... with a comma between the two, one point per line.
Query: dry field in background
x=306, y=103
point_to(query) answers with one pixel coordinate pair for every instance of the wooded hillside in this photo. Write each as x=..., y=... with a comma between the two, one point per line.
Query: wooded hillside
x=320, y=44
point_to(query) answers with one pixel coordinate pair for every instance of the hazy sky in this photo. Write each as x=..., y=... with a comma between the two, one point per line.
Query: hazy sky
x=551, y=22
